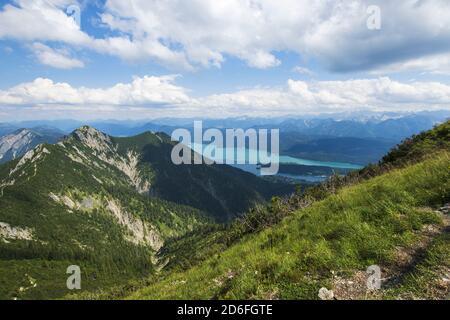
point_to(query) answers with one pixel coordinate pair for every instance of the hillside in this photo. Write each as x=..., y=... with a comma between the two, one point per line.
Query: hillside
x=95, y=201
x=78, y=202
x=420, y=145
x=104, y=203
x=384, y=221
x=391, y=220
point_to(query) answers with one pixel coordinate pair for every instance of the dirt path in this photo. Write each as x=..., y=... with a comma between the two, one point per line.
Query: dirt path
x=407, y=259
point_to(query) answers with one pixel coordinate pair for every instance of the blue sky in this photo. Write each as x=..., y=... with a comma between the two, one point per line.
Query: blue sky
x=147, y=59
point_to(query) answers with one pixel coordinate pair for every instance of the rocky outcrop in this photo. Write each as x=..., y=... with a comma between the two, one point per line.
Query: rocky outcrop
x=105, y=150
x=14, y=145
x=140, y=232
x=94, y=139
x=7, y=232
x=129, y=166
x=445, y=209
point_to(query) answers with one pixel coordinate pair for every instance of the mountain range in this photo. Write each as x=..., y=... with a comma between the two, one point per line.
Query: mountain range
x=361, y=125
x=143, y=228
x=110, y=204
x=359, y=139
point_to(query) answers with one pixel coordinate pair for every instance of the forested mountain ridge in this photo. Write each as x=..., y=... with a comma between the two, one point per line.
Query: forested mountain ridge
x=81, y=202
x=94, y=200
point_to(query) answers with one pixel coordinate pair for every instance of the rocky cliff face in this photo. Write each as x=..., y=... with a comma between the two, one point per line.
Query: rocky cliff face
x=104, y=149
x=16, y=144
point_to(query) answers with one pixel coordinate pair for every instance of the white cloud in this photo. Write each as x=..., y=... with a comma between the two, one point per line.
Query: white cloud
x=202, y=33
x=300, y=97
x=46, y=20
x=40, y=20
x=141, y=91
x=56, y=58
x=161, y=96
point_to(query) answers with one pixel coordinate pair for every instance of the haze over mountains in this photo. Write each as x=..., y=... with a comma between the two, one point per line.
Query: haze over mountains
x=357, y=138
x=367, y=125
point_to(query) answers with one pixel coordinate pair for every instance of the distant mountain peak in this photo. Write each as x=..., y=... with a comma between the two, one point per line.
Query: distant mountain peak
x=17, y=143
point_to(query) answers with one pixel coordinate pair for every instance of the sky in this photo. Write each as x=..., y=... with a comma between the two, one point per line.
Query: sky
x=146, y=59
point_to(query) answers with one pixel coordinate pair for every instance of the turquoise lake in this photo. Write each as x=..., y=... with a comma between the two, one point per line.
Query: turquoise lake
x=283, y=160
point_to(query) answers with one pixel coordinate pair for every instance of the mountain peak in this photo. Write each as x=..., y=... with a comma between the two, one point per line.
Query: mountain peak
x=92, y=138
x=87, y=130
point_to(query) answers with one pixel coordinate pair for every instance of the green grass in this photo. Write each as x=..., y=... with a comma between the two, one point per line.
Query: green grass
x=426, y=280
x=358, y=226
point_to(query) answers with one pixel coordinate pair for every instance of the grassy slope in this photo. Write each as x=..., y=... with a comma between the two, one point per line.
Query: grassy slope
x=420, y=145
x=359, y=226
x=427, y=279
